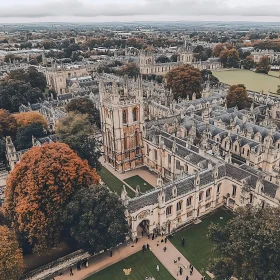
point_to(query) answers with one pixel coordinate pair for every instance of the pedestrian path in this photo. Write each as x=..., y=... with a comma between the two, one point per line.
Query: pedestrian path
x=166, y=258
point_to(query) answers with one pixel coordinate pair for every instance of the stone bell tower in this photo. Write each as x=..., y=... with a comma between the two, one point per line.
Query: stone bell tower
x=122, y=120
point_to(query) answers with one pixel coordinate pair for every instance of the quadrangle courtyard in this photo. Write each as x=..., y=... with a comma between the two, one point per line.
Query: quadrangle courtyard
x=198, y=250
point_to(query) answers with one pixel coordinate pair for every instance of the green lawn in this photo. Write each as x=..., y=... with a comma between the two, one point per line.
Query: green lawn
x=274, y=73
x=137, y=180
x=113, y=182
x=142, y=265
x=252, y=81
x=198, y=248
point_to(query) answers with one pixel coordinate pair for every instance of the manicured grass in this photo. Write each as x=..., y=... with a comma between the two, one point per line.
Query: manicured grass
x=198, y=248
x=252, y=81
x=274, y=73
x=113, y=182
x=137, y=180
x=142, y=265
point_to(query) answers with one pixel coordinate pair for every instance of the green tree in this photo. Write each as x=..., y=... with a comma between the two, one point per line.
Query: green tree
x=207, y=75
x=13, y=93
x=85, y=106
x=237, y=96
x=130, y=69
x=76, y=131
x=31, y=75
x=263, y=65
x=95, y=217
x=249, y=63
x=162, y=59
x=184, y=81
x=24, y=135
x=249, y=245
x=174, y=57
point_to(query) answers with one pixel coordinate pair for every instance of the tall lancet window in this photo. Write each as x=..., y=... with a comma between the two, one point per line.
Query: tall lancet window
x=134, y=114
x=124, y=116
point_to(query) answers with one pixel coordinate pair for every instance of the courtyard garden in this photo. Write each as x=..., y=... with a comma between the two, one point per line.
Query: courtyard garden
x=113, y=182
x=198, y=249
x=141, y=264
x=252, y=81
x=137, y=180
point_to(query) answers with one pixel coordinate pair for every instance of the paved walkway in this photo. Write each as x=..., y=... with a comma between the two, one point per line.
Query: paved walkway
x=167, y=259
x=143, y=172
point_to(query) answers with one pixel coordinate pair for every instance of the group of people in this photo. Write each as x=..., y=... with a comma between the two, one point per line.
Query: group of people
x=82, y=263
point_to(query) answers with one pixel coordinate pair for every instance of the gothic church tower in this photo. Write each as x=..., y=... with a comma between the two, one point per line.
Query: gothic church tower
x=122, y=119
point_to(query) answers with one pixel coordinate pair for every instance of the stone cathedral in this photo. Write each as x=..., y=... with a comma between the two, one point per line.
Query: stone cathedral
x=204, y=154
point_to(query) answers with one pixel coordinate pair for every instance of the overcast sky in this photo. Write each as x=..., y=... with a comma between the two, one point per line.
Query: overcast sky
x=127, y=10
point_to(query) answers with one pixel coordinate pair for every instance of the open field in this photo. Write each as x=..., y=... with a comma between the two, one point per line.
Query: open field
x=198, y=248
x=252, y=81
x=274, y=73
x=142, y=265
x=137, y=180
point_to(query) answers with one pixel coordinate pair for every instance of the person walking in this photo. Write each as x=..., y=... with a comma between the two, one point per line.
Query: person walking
x=165, y=239
x=181, y=270
x=158, y=243
x=164, y=249
x=136, y=239
x=187, y=277
x=71, y=271
x=157, y=268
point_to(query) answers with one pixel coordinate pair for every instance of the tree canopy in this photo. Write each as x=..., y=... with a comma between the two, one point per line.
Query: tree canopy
x=249, y=245
x=11, y=260
x=237, y=96
x=38, y=188
x=95, y=217
x=130, y=69
x=76, y=131
x=230, y=58
x=28, y=118
x=207, y=76
x=8, y=124
x=13, y=93
x=31, y=75
x=24, y=135
x=249, y=63
x=84, y=106
x=263, y=65
x=184, y=81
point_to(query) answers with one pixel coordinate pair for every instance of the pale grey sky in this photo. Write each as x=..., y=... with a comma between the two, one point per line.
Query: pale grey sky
x=127, y=10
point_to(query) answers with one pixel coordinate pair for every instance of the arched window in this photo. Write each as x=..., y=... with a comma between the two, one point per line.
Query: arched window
x=136, y=138
x=134, y=114
x=208, y=192
x=179, y=206
x=200, y=196
x=125, y=141
x=124, y=116
x=219, y=188
x=169, y=210
x=189, y=201
x=251, y=198
x=233, y=190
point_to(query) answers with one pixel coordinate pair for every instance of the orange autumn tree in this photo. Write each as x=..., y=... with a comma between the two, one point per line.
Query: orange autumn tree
x=8, y=124
x=38, y=188
x=28, y=118
x=11, y=260
x=184, y=81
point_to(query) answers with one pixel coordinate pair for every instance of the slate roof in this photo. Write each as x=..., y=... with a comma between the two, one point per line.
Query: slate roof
x=186, y=185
